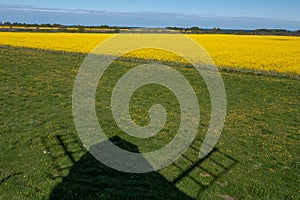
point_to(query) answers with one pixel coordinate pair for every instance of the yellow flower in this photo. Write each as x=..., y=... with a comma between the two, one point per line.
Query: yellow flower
x=267, y=53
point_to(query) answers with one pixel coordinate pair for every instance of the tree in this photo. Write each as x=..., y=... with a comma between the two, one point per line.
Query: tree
x=7, y=24
x=216, y=30
x=56, y=25
x=195, y=28
x=104, y=26
x=81, y=29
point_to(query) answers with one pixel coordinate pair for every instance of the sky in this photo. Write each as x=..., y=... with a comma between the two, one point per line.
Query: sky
x=224, y=13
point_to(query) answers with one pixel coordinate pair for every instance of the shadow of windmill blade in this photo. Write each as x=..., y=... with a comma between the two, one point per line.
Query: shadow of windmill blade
x=62, y=149
x=201, y=173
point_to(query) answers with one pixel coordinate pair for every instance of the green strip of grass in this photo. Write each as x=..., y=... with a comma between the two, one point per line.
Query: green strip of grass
x=41, y=156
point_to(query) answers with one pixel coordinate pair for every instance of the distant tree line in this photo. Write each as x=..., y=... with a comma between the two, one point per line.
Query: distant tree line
x=55, y=25
x=16, y=26
x=197, y=30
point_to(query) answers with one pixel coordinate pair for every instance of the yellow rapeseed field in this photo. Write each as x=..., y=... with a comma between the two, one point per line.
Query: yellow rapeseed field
x=69, y=42
x=277, y=53
x=270, y=53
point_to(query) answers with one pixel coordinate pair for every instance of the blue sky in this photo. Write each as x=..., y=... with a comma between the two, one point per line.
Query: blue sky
x=275, y=13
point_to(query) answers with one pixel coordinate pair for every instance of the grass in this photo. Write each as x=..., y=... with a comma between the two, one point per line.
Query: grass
x=41, y=156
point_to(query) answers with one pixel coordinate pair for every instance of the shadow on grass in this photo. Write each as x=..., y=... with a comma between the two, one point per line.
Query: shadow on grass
x=90, y=179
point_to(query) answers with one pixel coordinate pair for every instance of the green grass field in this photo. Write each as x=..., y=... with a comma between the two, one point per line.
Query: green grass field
x=41, y=156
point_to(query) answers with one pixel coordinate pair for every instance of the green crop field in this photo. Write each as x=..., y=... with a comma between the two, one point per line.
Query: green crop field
x=42, y=157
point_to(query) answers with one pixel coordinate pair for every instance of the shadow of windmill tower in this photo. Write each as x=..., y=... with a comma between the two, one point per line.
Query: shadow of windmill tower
x=87, y=178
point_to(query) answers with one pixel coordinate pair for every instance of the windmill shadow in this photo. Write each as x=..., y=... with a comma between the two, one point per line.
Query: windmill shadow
x=87, y=178
x=90, y=179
